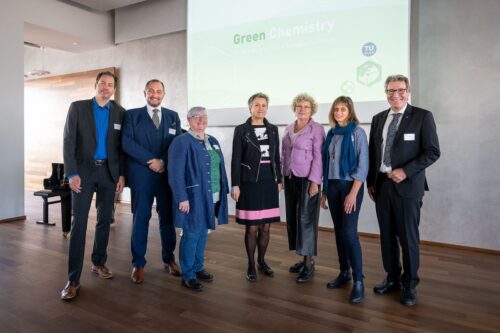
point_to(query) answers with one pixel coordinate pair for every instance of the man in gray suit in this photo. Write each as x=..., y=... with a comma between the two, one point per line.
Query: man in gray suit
x=94, y=163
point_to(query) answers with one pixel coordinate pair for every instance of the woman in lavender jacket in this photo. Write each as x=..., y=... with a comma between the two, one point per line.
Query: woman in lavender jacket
x=302, y=170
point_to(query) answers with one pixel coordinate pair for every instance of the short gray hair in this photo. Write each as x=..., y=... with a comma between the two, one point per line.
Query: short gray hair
x=195, y=111
x=255, y=96
x=397, y=78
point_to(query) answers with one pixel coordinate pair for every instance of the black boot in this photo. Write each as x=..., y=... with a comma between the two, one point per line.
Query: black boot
x=306, y=274
x=357, y=292
x=344, y=277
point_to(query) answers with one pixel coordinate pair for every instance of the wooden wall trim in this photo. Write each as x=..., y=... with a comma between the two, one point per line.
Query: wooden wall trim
x=13, y=219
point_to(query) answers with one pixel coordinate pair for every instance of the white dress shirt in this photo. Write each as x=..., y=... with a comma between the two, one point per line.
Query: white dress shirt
x=384, y=168
x=150, y=111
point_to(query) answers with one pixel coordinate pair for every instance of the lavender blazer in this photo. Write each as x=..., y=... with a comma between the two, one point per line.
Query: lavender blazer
x=303, y=157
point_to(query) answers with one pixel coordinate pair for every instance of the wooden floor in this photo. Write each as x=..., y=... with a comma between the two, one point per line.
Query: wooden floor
x=459, y=290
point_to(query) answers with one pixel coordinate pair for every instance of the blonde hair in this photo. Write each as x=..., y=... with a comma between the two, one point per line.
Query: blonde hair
x=305, y=97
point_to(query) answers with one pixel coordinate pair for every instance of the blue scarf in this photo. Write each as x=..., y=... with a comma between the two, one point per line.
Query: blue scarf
x=347, y=151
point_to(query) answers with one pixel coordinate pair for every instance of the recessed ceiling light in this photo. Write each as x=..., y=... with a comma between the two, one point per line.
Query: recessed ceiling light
x=75, y=43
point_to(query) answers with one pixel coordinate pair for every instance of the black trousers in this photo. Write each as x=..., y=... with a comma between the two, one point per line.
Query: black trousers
x=398, y=220
x=346, y=226
x=302, y=216
x=98, y=181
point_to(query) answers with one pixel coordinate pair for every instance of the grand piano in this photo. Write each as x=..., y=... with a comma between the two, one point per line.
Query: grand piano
x=56, y=186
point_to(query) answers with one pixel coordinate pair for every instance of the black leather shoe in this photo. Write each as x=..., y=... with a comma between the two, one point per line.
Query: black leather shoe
x=297, y=268
x=386, y=287
x=203, y=275
x=306, y=274
x=251, y=275
x=192, y=284
x=408, y=296
x=357, y=292
x=341, y=279
x=265, y=269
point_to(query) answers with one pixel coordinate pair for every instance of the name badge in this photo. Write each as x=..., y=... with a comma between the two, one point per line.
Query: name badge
x=172, y=131
x=216, y=147
x=118, y=127
x=409, y=137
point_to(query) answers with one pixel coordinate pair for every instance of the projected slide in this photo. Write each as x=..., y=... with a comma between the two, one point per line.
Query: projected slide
x=282, y=47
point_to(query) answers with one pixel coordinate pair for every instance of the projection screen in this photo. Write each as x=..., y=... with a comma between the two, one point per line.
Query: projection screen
x=326, y=48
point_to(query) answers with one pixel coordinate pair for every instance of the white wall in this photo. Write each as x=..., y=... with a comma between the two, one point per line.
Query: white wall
x=11, y=112
x=456, y=74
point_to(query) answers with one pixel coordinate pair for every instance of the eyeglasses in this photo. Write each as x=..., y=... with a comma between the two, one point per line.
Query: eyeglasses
x=300, y=107
x=393, y=91
x=199, y=117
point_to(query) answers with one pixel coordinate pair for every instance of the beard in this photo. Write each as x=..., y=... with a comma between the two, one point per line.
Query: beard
x=154, y=103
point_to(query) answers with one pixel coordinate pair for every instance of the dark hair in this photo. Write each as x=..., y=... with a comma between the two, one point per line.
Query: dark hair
x=154, y=81
x=106, y=73
x=257, y=95
x=350, y=106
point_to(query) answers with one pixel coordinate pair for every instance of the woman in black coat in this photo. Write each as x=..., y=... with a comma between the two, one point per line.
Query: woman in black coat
x=256, y=181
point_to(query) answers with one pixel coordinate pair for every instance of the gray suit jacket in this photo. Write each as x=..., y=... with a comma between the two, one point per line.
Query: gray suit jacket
x=80, y=141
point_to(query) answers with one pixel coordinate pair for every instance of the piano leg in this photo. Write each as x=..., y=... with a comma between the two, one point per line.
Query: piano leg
x=46, y=213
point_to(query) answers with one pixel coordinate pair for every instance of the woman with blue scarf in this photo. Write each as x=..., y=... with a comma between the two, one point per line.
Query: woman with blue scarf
x=345, y=167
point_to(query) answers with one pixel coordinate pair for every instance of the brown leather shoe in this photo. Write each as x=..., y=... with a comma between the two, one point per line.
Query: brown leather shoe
x=102, y=271
x=137, y=275
x=70, y=291
x=173, y=268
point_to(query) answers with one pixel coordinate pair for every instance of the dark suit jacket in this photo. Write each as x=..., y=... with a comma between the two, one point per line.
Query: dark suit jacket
x=79, y=144
x=138, y=142
x=411, y=154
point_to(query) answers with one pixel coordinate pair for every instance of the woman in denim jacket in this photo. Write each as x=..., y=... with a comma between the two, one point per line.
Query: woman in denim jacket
x=345, y=167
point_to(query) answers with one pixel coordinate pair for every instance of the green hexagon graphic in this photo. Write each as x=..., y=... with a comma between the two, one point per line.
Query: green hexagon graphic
x=347, y=87
x=369, y=73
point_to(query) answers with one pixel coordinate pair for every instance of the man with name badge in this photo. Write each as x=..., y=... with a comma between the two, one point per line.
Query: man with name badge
x=94, y=163
x=403, y=143
x=147, y=134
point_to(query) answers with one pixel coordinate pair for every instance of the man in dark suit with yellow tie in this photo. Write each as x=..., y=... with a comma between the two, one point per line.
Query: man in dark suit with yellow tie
x=94, y=163
x=147, y=134
x=403, y=143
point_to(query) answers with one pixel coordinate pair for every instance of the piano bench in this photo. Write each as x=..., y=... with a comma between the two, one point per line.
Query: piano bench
x=65, y=200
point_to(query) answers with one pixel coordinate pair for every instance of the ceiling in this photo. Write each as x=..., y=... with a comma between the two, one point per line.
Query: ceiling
x=103, y=5
x=58, y=40
x=61, y=40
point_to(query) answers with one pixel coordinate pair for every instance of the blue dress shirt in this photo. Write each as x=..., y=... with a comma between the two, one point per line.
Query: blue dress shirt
x=101, y=118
